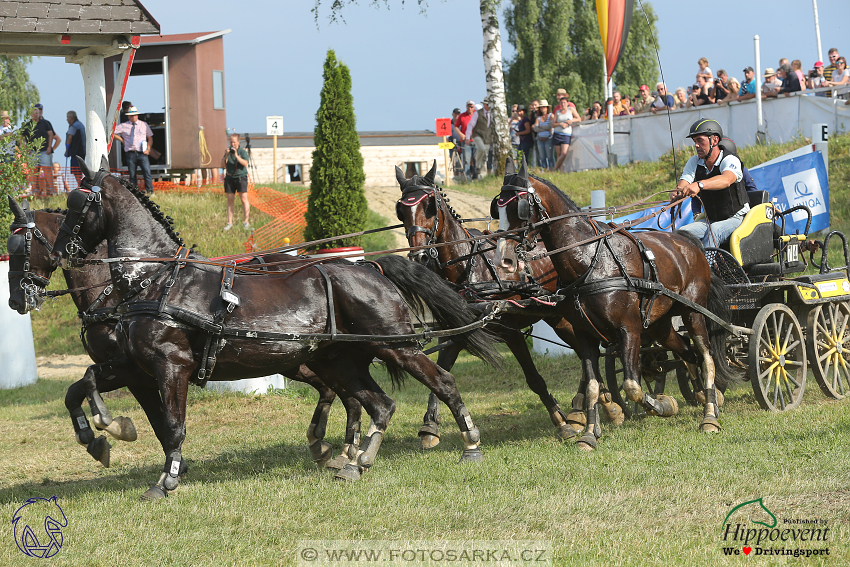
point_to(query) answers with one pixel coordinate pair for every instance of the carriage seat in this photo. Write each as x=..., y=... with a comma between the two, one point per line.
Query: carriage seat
x=754, y=243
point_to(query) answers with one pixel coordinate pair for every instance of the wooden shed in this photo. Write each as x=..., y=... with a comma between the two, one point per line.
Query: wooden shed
x=192, y=67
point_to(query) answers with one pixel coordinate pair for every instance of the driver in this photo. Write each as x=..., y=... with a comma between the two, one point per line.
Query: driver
x=716, y=177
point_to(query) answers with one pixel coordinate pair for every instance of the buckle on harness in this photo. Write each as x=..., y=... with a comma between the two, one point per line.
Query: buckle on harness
x=230, y=298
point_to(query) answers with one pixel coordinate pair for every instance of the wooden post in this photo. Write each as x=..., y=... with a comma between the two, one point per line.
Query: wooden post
x=275, y=158
x=446, y=163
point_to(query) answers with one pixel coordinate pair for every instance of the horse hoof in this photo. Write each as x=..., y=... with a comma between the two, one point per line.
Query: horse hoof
x=613, y=413
x=321, y=452
x=337, y=463
x=709, y=425
x=428, y=441
x=587, y=443
x=566, y=432
x=577, y=420
x=348, y=472
x=700, y=397
x=670, y=405
x=472, y=455
x=123, y=429
x=152, y=494
x=99, y=449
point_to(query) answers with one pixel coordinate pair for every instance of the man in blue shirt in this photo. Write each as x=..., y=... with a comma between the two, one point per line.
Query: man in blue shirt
x=75, y=143
x=748, y=87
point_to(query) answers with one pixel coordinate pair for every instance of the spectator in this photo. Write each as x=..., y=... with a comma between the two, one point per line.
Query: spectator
x=565, y=117
x=700, y=93
x=455, y=138
x=122, y=116
x=816, y=79
x=748, y=87
x=480, y=128
x=829, y=69
x=75, y=144
x=524, y=132
x=841, y=75
x=533, y=113
x=513, y=125
x=720, y=89
x=562, y=93
x=7, y=148
x=734, y=88
x=770, y=85
x=663, y=101
x=136, y=137
x=595, y=112
x=464, y=134
x=704, y=70
x=618, y=104
x=45, y=141
x=797, y=65
x=643, y=103
x=59, y=183
x=681, y=99
x=543, y=126
x=627, y=107
x=778, y=79
x=790, y=83
x=235, y=162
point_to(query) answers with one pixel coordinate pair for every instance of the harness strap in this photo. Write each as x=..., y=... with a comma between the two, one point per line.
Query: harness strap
x=330, y=294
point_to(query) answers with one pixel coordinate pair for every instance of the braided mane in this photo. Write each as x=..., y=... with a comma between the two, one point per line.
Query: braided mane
x=166, y=221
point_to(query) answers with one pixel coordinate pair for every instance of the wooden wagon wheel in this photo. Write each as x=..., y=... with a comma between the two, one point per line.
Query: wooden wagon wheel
x=828, y=342
x=777, y=358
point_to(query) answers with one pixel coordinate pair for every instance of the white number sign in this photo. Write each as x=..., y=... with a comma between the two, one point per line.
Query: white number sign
x=274, y=125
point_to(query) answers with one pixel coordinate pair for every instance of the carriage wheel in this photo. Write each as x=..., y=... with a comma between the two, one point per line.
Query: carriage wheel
x=828, y=341
x=650, y=382
x=777, y=358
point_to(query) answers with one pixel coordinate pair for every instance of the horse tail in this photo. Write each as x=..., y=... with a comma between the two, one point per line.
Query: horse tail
x=718, y=303
x=422, y=289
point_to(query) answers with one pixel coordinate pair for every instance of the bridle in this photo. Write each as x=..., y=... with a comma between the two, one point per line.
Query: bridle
x=528, y=202
x=409, y=199
x=80, y=200
x=31, y=283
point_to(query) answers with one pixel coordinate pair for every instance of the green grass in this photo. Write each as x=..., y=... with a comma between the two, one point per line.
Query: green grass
x=655, y=493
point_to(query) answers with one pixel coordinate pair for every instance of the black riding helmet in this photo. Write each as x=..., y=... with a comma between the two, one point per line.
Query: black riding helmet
x=706, y=127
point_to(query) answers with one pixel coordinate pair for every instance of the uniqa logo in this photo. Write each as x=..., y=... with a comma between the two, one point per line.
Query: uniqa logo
x=35, y=542
x=802, y=190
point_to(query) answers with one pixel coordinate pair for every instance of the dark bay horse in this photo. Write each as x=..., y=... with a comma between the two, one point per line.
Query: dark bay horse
x=184, y=320
x=29, y=248
x=607, y=300
x=429, y=219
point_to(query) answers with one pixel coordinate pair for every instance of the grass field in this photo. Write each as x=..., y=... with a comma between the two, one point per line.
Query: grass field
x=655, y=493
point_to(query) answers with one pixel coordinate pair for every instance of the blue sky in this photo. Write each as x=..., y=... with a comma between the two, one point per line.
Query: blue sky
x=410, y=67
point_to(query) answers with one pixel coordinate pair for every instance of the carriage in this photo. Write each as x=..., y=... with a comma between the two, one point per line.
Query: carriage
x=786, y=320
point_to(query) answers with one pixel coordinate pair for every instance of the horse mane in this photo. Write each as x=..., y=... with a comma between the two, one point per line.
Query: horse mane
x=166, y=221
x=555, y=188
x=445, y=197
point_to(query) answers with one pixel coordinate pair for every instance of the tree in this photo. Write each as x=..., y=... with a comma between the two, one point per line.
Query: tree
x=337, y=203
x=494, y=76
x=18, y=93
x=558, y=45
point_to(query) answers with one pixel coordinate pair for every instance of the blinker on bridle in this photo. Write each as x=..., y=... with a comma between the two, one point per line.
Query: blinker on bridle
x=79, y=202
x=31, y=283
x=433, y=232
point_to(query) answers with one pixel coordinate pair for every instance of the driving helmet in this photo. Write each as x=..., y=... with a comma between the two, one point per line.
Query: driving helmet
x=705, y=127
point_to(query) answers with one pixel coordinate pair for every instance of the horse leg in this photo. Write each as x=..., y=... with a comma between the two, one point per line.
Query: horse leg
x=516, y=342
x=589, y=352
x=663, y=406
x=97, y=447
x=442, y=383
x=695, y=323
x=147, y=394
x=320, y=450
x=429, y=433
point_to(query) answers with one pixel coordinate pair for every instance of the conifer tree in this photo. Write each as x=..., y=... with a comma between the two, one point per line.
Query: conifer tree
x=337, y=203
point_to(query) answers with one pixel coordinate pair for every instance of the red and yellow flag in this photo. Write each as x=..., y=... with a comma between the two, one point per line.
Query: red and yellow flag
x=615, y=18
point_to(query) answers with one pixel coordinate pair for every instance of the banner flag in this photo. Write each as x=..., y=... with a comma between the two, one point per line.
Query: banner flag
x=615, y=18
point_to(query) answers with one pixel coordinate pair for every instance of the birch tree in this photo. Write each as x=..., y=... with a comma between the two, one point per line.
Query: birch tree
x=494, y=77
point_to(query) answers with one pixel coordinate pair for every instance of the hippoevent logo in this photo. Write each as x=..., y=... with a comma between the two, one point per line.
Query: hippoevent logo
x=38, y=527
x=750, y=528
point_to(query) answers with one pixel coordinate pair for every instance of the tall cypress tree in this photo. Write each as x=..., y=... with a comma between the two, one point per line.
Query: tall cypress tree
x=337, y=203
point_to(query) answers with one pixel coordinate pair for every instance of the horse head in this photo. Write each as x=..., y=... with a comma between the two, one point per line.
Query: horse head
x=418, y=208
x=30, y=262
x=512, y=207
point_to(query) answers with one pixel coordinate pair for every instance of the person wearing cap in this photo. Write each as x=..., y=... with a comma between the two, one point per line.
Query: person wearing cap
x=718, y=180
x=465, y=135
x=770, y=85
x=790, y=82
x=699, y=93
x=7, y=147
x=39, y=132
x=748, y=87
x=479, y=126
x=644, y=103
x=816, y=78
x=663, y=101
x=75, y=143
x=543, y=126
x=136, y=137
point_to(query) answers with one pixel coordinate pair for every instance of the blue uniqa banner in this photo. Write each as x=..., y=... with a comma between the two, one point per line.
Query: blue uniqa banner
x=662, y=220
x=797, y=181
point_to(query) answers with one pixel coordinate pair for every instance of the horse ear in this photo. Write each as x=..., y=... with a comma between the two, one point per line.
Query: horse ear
x=104, y=164
x=81, y=163
x=20, y=216
x=523, y=172
x=399, y=175
x=429, y=177
x=510, y=168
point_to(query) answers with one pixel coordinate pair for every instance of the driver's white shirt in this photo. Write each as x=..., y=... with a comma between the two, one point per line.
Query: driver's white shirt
x=727, y=163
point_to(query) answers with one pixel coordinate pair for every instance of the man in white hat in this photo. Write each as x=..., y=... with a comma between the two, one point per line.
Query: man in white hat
x=136, y=137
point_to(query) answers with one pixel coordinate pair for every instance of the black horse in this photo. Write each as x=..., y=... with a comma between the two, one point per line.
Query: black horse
x=183, y=319
x=612, y=280
x=30, y=249
x=429, y=219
